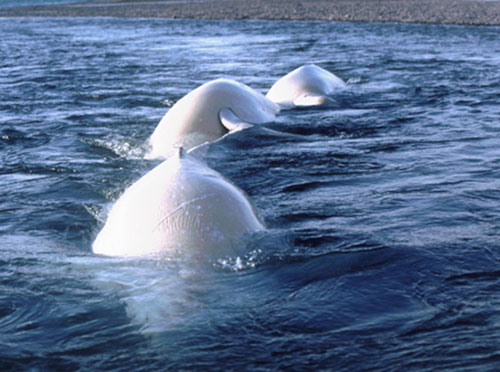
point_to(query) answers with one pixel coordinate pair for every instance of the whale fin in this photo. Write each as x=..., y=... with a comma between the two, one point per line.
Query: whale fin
x=231, y=121
x=306, y=100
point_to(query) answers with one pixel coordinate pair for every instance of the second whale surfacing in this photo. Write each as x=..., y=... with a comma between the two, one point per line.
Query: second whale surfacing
x=306, y=86
x=181, y=205
x=199, y=116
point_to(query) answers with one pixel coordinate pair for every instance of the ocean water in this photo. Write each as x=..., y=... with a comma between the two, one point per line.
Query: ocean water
x=11, y=3
x=383, y=211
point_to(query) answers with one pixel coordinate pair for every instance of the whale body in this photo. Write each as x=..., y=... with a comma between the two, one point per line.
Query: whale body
x=308, y=85
x=196, y=118
x=181, y=205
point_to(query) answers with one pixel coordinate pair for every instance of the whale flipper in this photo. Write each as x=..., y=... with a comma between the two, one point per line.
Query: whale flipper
x=307, y=100
x=231, y=121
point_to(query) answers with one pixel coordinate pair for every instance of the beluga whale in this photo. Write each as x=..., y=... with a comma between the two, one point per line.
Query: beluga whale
x=182, y=205
x=207, y=113
x=308, y=85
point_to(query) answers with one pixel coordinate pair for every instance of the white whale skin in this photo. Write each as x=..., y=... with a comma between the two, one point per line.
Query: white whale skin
x=308, y=85
x=194, y=119
x=180, y=205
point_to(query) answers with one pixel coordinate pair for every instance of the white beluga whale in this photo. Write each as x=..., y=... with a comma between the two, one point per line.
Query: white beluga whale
x=308, y=85
x=182, y=205
x=207, y=113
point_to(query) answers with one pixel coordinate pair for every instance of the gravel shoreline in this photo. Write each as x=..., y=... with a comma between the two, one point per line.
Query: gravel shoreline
x=460, y=12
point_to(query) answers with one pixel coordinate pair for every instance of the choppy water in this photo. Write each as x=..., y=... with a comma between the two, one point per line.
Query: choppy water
x=382, y=251
x=10, y=3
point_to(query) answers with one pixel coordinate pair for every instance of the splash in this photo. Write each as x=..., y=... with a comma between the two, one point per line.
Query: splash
x=121, y=146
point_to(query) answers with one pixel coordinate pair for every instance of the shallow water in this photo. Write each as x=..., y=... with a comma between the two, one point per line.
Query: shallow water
x=382, y=211
x=11, y=3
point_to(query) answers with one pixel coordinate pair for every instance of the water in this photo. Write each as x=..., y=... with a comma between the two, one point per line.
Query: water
x=10, y=3
x=382, y=246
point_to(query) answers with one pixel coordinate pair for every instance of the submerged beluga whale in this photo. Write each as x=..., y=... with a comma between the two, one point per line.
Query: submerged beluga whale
x=308, y=85
x=181, y=205
x=207, y=113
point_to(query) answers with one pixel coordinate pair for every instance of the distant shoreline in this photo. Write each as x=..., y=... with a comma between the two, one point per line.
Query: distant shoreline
x=459, y=12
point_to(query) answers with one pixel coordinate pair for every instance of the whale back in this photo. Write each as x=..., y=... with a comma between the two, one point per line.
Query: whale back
x=307, y=85
x=194, y=119
x=182, y=204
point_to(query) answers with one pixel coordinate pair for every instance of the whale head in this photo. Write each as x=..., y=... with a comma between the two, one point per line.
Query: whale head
x=308, y=85
x=195, y=118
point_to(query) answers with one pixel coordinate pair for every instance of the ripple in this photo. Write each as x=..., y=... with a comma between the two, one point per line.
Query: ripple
x=382, y=211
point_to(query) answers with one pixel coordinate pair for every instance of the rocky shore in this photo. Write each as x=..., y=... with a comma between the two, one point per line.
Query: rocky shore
x=462, y=12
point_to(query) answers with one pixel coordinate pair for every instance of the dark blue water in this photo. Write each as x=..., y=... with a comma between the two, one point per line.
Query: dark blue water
x=382, y=252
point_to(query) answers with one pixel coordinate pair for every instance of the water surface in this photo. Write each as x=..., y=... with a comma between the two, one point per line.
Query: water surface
x=382, y=250
x=11, y=3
